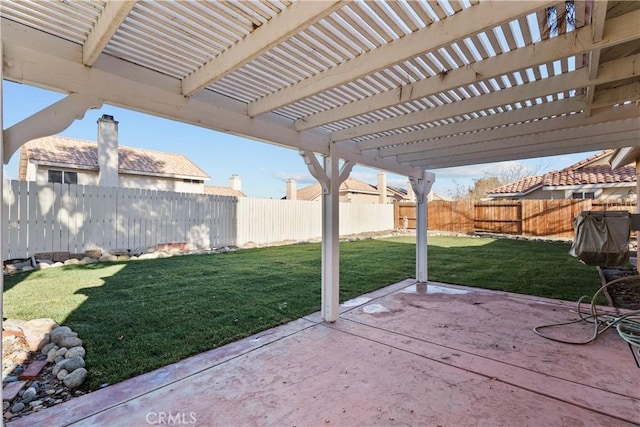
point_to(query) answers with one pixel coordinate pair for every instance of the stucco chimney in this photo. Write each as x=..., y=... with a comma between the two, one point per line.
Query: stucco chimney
x=410, y=194
x=382, y=187
x=292, y=190
x=108, y=151
x=234, y=182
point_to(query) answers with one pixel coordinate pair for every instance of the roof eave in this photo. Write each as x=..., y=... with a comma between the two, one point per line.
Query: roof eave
x=623, y=156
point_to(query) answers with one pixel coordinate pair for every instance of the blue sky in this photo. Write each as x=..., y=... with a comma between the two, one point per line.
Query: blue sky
x=263, y=168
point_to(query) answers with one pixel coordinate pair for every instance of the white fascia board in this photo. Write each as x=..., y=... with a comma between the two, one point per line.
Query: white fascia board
x=589, y=186
x=63, y=165
x=162, y=175
x=624, y=156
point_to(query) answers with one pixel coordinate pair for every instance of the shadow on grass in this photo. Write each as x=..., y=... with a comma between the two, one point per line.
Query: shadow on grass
x=140, y=315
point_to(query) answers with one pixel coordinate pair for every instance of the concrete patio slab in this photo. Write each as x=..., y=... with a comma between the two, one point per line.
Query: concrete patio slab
x=408, y=354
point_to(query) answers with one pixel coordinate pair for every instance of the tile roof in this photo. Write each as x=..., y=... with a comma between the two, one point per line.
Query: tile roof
x=84, y=155
x=216, y=190
x=591, y=175
x=520, y=186
x=593, y=170
x=352, y=185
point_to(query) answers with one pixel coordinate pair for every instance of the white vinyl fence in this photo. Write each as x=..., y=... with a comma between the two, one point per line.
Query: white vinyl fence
x=268, y=221
x=76, y=218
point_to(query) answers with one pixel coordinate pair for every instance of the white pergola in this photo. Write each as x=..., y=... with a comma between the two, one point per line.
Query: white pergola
x=403, y=86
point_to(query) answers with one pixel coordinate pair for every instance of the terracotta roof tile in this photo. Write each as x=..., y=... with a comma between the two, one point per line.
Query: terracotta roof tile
x=591, y=175
x=580, y=173
x=82, y=153
x=520, y=186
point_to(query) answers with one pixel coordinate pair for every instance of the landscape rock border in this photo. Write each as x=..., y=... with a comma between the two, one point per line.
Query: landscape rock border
x=43, y=364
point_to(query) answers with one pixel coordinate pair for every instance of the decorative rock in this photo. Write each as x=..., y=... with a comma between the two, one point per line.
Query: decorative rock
x=74, y=363
x=29, y=395
x=59, y=331
x=59, y=366
x=51, y=355
x=10, y=379
x=57, y=264
x=37, y=331
x=75, y=351
x=70, y=341
x=59, y=359
x=108, y=257
x=5, y=405
x=35, y=403
x=62, y=351
x=46, y=348
x=62, y=374
x=72, y=261
x=17, y=407
x=42, y=266
x=75, y=378
x=88, y=260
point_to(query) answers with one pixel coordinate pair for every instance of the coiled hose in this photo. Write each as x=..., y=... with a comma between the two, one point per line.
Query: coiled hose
x=627, y=324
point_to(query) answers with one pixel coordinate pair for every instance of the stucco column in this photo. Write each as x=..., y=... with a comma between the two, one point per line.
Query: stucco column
x=108, y=152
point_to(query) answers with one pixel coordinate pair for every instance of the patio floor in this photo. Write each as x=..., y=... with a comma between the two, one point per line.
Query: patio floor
x=407, y=354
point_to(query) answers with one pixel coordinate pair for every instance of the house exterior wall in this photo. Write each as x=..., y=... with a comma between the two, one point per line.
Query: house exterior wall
x=40, y=174
x=359, y=198
x=160, y=184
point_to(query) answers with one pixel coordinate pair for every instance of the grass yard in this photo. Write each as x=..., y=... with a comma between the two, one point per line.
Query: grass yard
x=137, y=316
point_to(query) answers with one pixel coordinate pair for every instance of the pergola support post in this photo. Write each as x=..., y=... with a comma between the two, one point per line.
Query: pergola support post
x=421, y=187
x=330, y=176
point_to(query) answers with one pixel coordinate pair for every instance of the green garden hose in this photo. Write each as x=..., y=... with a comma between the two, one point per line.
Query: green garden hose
x=627, y=324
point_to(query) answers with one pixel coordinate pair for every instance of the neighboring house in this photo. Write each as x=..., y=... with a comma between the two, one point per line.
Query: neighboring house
x=354, y=191
x=234, y=189
x=591, y=178
x=76, y=161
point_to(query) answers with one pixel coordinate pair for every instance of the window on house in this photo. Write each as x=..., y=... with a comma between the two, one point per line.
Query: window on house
x=583, y=195
x=63, y=177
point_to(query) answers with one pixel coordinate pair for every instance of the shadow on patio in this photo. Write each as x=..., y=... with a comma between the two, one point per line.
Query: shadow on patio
x=407, y=354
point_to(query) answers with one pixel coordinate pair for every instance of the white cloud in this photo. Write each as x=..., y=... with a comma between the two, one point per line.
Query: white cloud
x=300, y=177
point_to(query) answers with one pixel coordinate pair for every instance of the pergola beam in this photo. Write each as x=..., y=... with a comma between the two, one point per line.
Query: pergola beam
x=489, y=139
x=618, y=95
x=281, y=27
x=598, y=18
x=616, y=134
x=619, y=30
x=611, y=71
x=480, y=17
x=113, y=15
x=397, y=144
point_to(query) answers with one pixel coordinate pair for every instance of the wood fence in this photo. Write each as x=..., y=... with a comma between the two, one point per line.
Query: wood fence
x=552, y=218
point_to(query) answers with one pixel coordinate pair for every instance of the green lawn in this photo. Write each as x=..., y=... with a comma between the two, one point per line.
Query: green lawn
x=137, y=316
